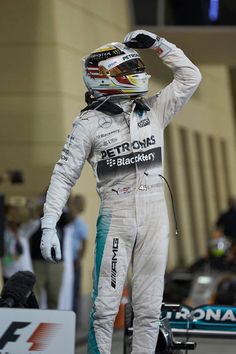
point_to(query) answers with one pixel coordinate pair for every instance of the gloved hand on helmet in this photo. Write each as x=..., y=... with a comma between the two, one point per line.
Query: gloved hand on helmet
x=50, y=244
x=142, y=39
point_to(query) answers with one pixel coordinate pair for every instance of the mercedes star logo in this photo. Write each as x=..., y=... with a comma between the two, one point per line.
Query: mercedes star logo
x=105, y=122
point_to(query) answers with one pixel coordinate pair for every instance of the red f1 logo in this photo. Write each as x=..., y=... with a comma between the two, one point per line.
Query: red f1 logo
x=42, y=336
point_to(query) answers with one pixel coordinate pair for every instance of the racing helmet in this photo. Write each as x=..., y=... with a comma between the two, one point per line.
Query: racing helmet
x=115, y=69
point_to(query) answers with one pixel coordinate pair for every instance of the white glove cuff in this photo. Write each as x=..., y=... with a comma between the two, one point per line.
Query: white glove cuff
x=48, y=222
x=162, y=47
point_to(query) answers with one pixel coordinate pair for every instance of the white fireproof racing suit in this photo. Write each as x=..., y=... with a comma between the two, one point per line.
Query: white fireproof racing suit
x=126, y=154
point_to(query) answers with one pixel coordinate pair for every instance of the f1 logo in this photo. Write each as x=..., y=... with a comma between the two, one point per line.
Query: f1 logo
x=9, y=335
x=39, y=339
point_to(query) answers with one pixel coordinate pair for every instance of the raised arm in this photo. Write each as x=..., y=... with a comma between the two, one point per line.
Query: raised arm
x=186, y=76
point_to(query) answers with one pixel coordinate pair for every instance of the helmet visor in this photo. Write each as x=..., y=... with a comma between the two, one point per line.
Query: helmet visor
x=132, y=66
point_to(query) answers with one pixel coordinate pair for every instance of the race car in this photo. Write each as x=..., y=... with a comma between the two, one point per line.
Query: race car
x=166, y=342
x=216, y=322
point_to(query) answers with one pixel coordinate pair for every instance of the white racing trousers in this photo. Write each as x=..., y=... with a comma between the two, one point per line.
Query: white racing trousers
x=130, y=228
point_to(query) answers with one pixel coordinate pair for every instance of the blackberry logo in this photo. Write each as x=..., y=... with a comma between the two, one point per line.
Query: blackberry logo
x=126, y=164
x=132, y=159
x=111, y=162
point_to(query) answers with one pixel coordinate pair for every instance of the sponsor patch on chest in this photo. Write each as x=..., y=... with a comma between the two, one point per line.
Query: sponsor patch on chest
x=128, y=147
x=144, y=122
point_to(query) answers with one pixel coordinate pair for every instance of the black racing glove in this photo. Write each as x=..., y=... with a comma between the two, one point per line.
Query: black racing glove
x=141, y=39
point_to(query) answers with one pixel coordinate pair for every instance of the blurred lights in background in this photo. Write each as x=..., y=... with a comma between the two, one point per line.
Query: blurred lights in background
x=213, y=10
x=184, y=12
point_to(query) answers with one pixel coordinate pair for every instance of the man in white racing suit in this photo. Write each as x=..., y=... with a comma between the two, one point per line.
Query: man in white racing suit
x=120, y=133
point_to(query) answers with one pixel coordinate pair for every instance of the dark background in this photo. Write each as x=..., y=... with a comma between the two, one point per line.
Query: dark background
x=184, y=13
